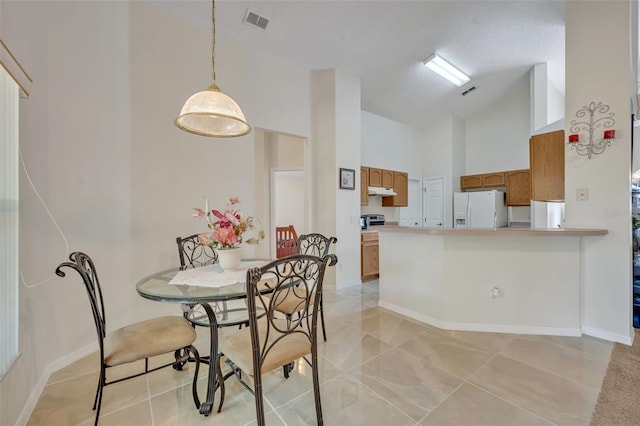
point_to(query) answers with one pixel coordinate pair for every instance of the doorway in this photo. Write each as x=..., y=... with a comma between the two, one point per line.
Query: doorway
x=287, y=206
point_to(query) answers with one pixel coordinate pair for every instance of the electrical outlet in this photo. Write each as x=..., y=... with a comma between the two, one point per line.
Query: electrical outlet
x=582, y=194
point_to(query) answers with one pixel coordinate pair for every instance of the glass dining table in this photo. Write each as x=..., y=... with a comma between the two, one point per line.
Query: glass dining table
x=165, y=286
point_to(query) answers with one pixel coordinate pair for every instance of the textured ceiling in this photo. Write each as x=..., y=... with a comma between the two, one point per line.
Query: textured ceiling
x=385, y=42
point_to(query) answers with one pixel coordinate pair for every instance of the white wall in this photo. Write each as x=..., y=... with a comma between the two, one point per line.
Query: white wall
x=98, y=138
x=498, y=138
x=387, y=144
x=606, y=261
x=289, y=187
x=336, y=115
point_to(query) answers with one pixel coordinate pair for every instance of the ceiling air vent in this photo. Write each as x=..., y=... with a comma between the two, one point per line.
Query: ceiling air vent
x=469, y=90
x=256, y=20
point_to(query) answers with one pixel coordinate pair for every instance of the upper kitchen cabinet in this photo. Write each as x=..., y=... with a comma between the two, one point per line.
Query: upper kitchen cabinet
x=546, y=156
x=518, y=184
x=375, y=177
x=387, y=178
x=485, y=180
x=492, y=180
x=364, y=186
x=470, y=182
x=401, y=188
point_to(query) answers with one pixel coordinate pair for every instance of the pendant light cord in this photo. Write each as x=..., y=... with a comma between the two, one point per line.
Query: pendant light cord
x=213, y=40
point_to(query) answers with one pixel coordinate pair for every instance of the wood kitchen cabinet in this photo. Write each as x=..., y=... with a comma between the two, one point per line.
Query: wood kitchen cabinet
x=470, y=182
x=401, y=188
x=364, y=186
x=546, y=160
x=375, y=177
x=518, y=183
x=387, y=178
x=492, y=180
x=484, y=180
x=369, y=252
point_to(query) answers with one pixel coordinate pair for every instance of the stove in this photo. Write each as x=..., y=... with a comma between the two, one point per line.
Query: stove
x=373, y=219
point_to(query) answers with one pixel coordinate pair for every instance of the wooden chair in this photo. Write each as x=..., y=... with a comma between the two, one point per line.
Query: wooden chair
x=271, y=341
x=142, y=340
x=286, y=241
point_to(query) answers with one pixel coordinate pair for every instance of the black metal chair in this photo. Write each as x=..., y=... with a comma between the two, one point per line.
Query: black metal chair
x=193, y=254
x=272, y=341
x=142, y=340
x=315, y=245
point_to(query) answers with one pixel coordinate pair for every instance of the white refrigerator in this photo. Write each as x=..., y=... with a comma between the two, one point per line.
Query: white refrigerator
x=479, y=209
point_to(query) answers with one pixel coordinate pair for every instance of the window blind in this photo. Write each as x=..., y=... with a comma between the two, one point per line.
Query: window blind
x=9, y=96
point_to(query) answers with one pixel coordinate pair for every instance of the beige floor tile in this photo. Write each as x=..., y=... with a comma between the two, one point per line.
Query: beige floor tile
x=176, y=407
x=167, y=378
x=558, y=359
x=344, y=402
x=590, y=345
x=491, y=342
x=85, y=365
x=349, y=348
x=392, y=328
x=470, y=405
x=449, y=354
x=135, y=415
x=70, y=402
x=278, y=390
x=407, y=382
x=552, y=397
x=401, y=372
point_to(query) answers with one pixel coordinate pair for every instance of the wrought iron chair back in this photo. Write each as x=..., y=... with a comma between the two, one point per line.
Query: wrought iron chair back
x=315, y=244
x=182, y=348
x=274, y=341
x=193, y=253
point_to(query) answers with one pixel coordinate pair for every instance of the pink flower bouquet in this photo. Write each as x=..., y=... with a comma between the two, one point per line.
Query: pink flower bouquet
x=228, y=226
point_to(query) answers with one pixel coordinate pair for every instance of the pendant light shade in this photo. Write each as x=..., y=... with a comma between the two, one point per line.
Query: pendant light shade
x=211, y=112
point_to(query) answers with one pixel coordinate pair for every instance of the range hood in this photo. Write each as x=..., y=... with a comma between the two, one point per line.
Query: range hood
x=385, y=192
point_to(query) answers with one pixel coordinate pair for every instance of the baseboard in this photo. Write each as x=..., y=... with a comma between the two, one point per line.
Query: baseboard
x=605, y=335
x=51, y=368
x=492, y=328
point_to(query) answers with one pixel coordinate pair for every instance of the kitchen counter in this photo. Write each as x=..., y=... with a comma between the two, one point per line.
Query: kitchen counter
x=510, y=280
x=496, y=231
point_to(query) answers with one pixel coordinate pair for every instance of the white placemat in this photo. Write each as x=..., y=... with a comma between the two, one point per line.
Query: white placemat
x=213, y=276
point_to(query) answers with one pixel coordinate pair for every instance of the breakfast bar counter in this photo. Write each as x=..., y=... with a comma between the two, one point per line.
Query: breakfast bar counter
x=513, y=280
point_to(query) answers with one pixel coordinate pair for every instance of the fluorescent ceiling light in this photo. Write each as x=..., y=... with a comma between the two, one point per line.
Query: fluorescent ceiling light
x=438, y=65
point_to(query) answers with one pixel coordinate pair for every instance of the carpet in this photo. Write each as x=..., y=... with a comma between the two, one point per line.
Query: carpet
x=619, y=399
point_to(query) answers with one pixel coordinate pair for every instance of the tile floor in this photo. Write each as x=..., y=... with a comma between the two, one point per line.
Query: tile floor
x=378, y=368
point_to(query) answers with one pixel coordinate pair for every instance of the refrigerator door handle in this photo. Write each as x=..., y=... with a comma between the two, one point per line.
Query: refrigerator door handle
x=468, y=221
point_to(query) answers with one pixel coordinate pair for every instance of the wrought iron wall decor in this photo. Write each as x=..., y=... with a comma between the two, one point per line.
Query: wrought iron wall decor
x=598, y=117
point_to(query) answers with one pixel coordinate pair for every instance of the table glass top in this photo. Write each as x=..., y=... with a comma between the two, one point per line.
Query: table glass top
x=157, y=287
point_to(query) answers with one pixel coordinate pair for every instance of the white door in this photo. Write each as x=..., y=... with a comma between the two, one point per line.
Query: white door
x=433, y=202
x=412, y=214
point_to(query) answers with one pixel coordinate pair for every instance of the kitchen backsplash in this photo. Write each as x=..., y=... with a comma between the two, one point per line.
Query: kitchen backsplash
x=391, y=214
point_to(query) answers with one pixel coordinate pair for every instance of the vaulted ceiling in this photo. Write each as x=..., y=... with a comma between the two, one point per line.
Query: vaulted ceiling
x=385, y=42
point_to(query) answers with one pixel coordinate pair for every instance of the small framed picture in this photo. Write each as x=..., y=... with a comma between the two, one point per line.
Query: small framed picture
x=347, y=179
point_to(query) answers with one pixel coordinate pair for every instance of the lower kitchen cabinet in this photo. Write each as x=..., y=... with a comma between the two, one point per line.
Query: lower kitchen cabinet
x=369, y=263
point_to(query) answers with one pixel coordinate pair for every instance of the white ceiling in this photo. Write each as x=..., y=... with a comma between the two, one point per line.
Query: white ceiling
x=385, y=42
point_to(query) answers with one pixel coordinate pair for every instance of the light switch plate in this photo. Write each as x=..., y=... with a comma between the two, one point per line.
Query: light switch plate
x=582, y=194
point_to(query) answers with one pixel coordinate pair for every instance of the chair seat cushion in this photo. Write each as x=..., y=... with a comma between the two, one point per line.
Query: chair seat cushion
x=146, y=339
x=237, y=347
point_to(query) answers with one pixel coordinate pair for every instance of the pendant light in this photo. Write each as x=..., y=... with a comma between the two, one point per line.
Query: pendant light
x=211, y=112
